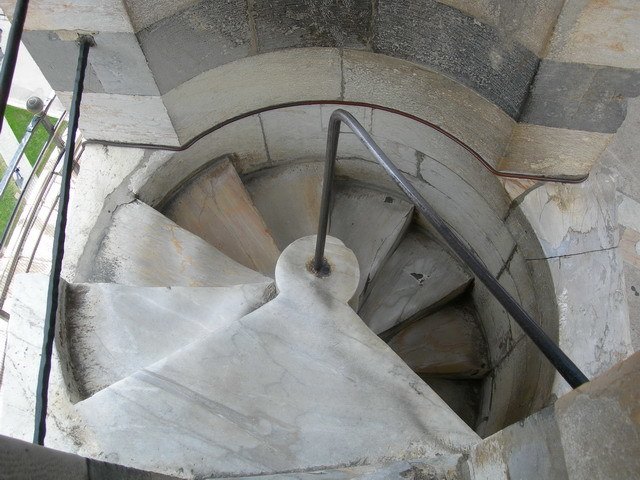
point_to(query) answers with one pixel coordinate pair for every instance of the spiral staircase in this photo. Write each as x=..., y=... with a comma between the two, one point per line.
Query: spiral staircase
x=162, y=353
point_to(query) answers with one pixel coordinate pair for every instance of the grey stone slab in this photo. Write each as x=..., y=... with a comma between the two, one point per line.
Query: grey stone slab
x=143, y=247
x=21, y=460
x=215, y=206
x=108, y=331
x=597, y=33
x=589, y=433
x=622, y=156
x=299, y=384
x=116, y=63
x=446, y=40
x=144, y=13
x=576, y=96
x=448, y=343
x=594, y=326
x=417, y=275
x=57, y=59
x=194, y=40
x=529, y=22
x=311, y=23
x=444, y=467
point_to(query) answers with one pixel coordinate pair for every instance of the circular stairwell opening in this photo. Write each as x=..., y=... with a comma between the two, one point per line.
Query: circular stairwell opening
x=251, y=199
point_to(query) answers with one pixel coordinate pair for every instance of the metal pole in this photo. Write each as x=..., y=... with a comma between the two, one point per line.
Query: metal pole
x=42, y=392
x=569, y=371
x=11, y=55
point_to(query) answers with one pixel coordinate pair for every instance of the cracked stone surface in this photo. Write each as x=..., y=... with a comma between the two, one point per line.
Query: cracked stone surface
x=297, y=384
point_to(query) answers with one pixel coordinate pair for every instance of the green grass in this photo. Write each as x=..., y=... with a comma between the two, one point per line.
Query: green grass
x=8, y=199
x=18, y=119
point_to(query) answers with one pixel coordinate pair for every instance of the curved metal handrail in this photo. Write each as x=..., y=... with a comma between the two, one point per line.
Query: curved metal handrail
x=570, y=372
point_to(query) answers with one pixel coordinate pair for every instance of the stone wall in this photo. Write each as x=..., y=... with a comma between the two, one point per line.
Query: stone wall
x=551, y=106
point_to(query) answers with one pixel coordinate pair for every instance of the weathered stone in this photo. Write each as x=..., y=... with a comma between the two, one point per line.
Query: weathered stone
x=230, y=90
x=26, y=460
x=87, y=15
x=283, y=24
x=57, y=59
x=394, y=83
x=448, y=343
x=201, y=37
x=144, y=13
x=142, y=247
x=558, y=442
x=107, y=331
x=207, y=392
x=598, y=33
x=418, y=274
x=242, y=142
x=274, y=193
x=440, y=160
x=575, y=96
x=529, y=23
x=116, y=63
x=553, y=151
x=215, y=206
x=124, y=118
x=459, y=46
x=571, y=219
x=594, y=325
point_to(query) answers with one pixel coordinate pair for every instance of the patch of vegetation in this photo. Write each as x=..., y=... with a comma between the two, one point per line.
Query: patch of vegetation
x=18, y=119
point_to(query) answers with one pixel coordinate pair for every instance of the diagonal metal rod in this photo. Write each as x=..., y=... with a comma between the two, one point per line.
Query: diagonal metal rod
x=569, y=371
x=42, y=392
x=11, y=56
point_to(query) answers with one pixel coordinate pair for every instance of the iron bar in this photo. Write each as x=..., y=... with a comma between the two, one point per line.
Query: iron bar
x=36, y=166
x=11, y=55
x=58, y=245
x=562, y=363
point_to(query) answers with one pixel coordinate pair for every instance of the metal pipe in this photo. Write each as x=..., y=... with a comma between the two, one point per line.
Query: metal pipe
x=11, y=55
x=42, y=392
x=485, y=163
x=36, y=166
x=569, y=371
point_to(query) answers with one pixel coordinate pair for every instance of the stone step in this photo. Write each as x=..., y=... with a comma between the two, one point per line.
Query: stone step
x=419, y=274
x=215, y=206
x=142, y=247
x=107, y=331
x=448, y=343
x=370, y=222
x=300, y=384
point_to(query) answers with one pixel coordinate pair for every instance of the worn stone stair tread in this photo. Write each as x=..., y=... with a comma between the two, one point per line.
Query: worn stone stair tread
x=288, y=199
x=142, y=247
x=419, y=274
x=368, y=221
x=108, y=331
x=216, y=207
x=447, y=343
x=300, y=383
x=371, y=223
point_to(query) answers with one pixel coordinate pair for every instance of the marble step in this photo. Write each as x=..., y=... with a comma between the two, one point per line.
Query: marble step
x=142, y=247
x=300, y=384
x=418, y=275
x=448, y=343
x=215, y=206
x=370, y=222
x=107, y=331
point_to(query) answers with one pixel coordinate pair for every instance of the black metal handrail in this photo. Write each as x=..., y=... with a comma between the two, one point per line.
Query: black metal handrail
x=42, y=393
x=570, y=372
x=11, y=55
